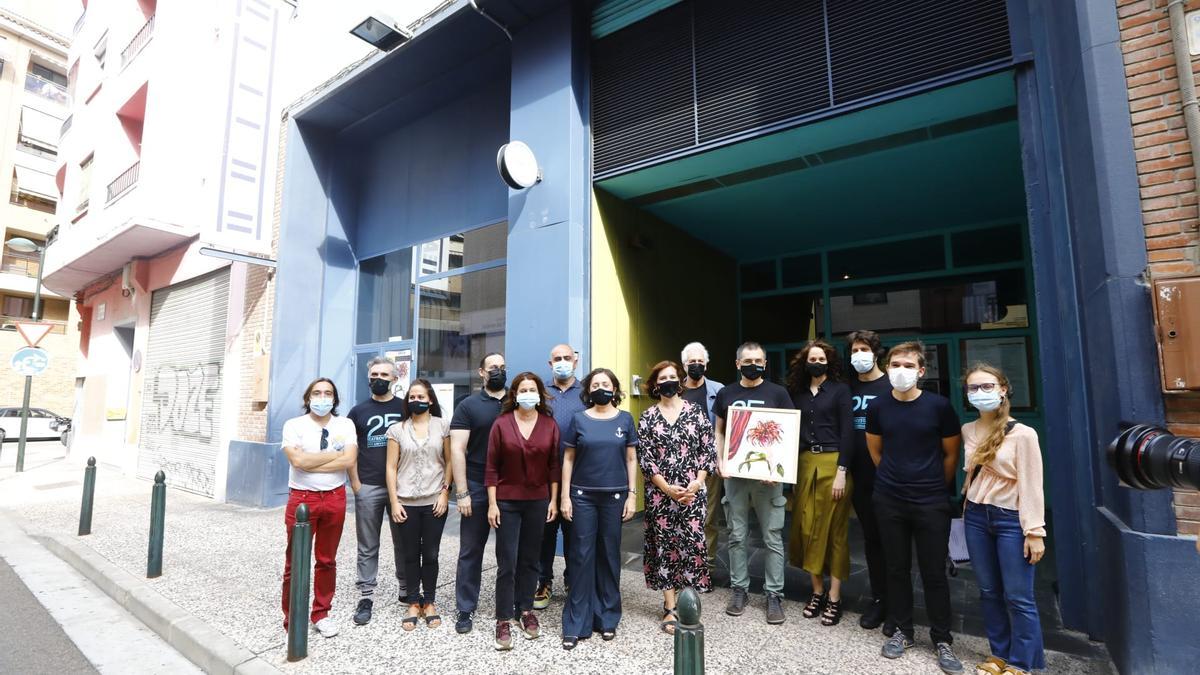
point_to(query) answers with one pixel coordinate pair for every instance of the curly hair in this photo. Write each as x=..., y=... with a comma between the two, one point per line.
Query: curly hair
x=798, y=378
x=586, y=386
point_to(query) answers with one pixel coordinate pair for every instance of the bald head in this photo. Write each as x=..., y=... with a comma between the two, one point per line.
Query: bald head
x=563, y=361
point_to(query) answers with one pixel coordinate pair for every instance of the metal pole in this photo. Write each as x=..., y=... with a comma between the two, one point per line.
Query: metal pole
x=158, y=515
x=298, y=591
x=689, y=634
x=37, y=309
x=89, y=497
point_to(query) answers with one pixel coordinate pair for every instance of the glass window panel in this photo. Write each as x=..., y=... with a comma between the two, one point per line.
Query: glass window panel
x=461, y=250
x=908, y=256
x=943, y=305
x=782, y=319
x=461, y=319
x=801, y=270
x=758, y=276
x=988, y=246
x=385, y=298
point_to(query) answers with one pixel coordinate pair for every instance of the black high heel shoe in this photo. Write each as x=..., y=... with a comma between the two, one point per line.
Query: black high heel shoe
x=832, y=614
x=816, y=604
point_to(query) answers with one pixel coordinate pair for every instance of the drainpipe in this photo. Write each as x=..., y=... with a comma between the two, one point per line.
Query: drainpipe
x=501, y=26
x=1187, y=85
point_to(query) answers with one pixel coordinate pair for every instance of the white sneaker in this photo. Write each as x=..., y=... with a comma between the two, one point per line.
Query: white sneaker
x=326, y=627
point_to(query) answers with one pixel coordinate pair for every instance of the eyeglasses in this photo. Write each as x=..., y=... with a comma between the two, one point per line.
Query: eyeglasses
x=324, y=439
x=986, y=387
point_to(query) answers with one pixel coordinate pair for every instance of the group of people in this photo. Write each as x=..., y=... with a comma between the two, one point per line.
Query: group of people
x=529, y=457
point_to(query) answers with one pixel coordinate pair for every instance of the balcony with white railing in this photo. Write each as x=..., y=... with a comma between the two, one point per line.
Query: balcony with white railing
x=55, y=93
x=138, y=42
x=123, y=183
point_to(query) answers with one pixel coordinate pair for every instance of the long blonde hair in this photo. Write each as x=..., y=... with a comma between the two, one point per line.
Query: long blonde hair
x=994, y=432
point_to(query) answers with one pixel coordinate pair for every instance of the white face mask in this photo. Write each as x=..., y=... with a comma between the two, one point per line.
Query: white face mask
x=902, y=379
x=863, y=362
x=528, y=400
x=985, y=401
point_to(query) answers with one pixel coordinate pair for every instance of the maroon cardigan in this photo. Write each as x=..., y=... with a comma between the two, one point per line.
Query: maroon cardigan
x=519, y=468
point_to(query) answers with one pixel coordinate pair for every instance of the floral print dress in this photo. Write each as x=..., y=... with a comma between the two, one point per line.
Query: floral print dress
x=675, y=555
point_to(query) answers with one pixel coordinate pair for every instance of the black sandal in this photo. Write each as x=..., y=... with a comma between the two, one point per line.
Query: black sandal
x=832, y=614
x=569, y=642
x=409, y=623
x=671, y=622
x=815, y=605
x=431, y=618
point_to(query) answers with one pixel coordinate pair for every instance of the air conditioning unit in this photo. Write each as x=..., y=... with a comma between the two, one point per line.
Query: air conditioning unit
x=127, y=288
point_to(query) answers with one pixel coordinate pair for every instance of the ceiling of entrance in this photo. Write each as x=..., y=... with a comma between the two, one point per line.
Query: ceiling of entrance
x=945, y=158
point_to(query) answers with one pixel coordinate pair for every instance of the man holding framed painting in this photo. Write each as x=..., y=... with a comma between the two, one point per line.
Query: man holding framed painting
x=762, y=428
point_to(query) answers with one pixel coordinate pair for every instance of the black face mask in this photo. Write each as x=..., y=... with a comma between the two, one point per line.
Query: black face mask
x=601, y=396
x=752, y=371
x=379, y=387
x=496, y=379
x=695, y=370
x=816, y=369
x=419, y=407
x=668, y=389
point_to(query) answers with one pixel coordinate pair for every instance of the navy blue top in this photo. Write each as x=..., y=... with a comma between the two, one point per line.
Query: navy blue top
x=861, y=396
x=476, y=413
x=600, y=451
x=564, y=405
x=911, y=469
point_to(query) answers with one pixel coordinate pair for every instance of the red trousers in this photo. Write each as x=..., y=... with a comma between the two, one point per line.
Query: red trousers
x=326, y=514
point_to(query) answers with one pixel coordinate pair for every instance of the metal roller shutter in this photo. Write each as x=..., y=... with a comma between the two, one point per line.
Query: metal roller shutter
x=181, y=404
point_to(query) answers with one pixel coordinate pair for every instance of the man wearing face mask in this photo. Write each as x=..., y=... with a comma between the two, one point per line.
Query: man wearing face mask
x=563, y=397
x=701, y=391
x=869, y=385
x=469, y=430
x=742, y=494
x=914, y=437
x=371, y=419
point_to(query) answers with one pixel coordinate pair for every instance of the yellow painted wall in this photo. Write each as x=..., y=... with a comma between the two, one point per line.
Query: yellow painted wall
x=654, y=289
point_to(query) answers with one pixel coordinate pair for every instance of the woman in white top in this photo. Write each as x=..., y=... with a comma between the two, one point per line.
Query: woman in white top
x=320, y=446
x=1004, y=523
x=418, y=481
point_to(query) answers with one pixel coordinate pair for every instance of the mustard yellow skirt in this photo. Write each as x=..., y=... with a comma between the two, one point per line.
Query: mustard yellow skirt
x=819, y=538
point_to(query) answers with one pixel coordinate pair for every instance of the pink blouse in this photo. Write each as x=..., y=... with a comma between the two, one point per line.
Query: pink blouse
x=1013, y=479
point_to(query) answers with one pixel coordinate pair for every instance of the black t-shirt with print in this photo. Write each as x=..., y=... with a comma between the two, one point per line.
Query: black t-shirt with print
x=371, y=420
x=766, y=395
x=861, y=396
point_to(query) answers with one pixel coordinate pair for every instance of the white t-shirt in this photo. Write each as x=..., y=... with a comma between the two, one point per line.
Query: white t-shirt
x=304, y=433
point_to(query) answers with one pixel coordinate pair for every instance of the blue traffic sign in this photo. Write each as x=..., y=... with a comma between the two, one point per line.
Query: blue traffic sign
x=29, y=361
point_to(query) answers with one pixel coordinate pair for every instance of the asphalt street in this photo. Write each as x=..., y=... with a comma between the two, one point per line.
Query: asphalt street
x=31, y=641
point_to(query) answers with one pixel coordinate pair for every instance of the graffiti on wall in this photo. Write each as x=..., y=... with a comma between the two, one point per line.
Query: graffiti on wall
x=187, y=400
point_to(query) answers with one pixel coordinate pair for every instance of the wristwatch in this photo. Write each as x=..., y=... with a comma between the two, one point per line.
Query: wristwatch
x=841, y=469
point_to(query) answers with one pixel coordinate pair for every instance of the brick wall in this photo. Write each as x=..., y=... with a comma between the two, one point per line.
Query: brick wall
x=54, y=389
x=1166, y=179
x=258, y=315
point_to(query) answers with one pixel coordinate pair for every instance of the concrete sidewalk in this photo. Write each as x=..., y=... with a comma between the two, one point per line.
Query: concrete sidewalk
x=223, y=565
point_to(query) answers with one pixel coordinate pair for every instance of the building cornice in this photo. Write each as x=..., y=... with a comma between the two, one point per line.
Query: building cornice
x=35, y=32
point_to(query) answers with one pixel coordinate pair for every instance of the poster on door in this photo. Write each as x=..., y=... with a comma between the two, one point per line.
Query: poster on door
x=403, y=360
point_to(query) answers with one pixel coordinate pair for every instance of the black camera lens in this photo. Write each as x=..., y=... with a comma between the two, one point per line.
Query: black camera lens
x=1147, y=457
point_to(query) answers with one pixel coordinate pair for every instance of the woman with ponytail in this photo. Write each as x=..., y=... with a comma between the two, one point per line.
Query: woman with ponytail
x=1004, y=522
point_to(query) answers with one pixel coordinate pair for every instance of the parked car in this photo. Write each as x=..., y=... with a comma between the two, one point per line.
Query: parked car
x=43, y=425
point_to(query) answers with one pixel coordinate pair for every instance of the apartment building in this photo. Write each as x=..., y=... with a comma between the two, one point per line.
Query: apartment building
x=166, y=154
x=33, y=105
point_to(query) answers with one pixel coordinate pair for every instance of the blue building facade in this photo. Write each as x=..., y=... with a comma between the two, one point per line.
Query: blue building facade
x=667, y=159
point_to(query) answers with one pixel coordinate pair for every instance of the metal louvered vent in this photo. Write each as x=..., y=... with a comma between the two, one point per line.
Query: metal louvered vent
x=642, y=95
x=879, y=45
x=758, y=63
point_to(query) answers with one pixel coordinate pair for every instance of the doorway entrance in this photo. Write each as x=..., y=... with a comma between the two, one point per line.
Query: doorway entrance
x=907, y=218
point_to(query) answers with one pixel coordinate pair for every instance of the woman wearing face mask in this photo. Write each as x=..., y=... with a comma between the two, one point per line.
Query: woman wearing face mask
x=418, y=481
x=818, y=541
x=1004, y=522
x=599, y=471
x=522, y=477
x=676, y=453
x=320, y=446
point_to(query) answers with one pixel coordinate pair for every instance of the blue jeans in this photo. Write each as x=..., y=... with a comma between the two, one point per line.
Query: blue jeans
x=1010, y=613
x=594, y=602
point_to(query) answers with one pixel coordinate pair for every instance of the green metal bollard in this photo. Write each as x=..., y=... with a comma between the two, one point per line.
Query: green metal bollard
x=158, y=516
x=89, y=497
x=298, y=592
x=689, y=634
